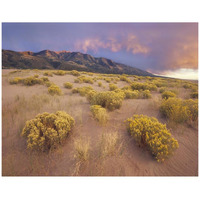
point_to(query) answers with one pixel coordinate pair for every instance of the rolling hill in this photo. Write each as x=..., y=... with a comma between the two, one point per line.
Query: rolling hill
x=65, y=60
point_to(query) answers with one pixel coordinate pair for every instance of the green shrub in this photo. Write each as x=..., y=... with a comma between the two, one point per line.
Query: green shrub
x=180, y=111
x=109, y=99
x=75, y=90
x=68, y=85
x=150, y=133
x=99, y=113
x=54, y=90
x=168, y=94
x=112, y=87
x=46, y=131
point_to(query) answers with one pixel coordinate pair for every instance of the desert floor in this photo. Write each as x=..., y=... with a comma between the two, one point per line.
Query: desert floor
x=22, y=103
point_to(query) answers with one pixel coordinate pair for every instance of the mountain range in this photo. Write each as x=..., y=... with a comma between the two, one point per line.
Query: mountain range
x=65, y=60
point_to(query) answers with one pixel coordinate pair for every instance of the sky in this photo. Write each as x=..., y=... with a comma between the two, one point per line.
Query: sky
x=169, y=49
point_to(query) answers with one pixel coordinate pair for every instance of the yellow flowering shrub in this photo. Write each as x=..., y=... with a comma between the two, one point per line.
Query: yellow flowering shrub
x=83, y=91
x=60, y=72
x=99, y=113
x=129, y=94
x=84, y=79
x=75, y=73
x=47, y=73
x=54, y=90
x=29, y=81
x=68, y=85
x=168, y=94
x=125, y=78
x=110, y=99
x=15, y=80
x=179, y=110
x=143, y=86
x=112, y=87
x=46, y=130
x=99, y=84
x=150, y=133
x=146, y=94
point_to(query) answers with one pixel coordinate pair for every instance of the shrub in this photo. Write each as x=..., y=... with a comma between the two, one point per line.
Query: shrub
x=146, y=94
x=83, y=91
x=162, y=89
x=168, y=94
x=129, y=94
x=48, y=74
x=99, y=113
x=54, y=90
x=108, y=80
x=99, y=84
x=124, y=78
x=16, y=80
x=150, y=133
x=60, y=72
x=112, y=87
x=143, y=86
x=75, y=90
x=36, y=76
x=84, y=79
x=187, y=86
x=75, y=73
x=68, y=85
x=46, y=131
x=109, y=99
x=194, y=95
x=180, y=111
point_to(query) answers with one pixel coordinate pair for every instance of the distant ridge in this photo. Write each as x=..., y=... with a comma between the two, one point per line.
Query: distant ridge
x=66, y=60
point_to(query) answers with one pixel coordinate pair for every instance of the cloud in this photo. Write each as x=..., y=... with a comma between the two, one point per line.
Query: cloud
x=129, y=44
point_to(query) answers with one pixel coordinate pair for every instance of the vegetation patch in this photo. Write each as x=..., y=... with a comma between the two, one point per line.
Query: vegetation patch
x=99, y=113
x=60, y=72
x=54, y=90
x=149, y=132
x=46, y=130
x=68, y=85
x=112, y=87
x=168, y=94
x=29, y=81
x=110, y=99
x=179, y=110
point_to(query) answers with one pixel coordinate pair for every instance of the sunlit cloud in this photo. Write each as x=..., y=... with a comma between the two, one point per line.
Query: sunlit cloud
x=182, y=73
x=130, y=44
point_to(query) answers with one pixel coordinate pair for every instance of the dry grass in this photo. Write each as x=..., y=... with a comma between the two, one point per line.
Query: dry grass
x=81, y=147
x=110, y=144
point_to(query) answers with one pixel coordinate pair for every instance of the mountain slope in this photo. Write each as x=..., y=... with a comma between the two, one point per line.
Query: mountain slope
x=65, y=60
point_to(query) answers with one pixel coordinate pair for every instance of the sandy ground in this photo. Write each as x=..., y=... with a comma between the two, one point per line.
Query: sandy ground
x=21, y=103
